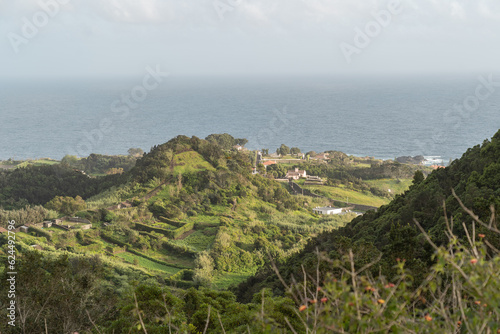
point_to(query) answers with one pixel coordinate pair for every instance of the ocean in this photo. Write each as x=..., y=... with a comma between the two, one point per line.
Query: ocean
x=438, y=117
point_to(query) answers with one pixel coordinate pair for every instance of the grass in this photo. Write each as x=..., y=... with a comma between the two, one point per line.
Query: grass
x=69, y=223
x=148, y=264
x=174, y=259
x=361, y=165
x=396, y=186
x=342, y=194
x=199, y=241
x=225, y=280
x=39, y=162
x=205, y=219
x=190, y=161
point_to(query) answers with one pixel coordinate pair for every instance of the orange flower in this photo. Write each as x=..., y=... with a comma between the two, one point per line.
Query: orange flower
x=312, y=301
x=319, y=288
x=481, y=235
x=428, y=317
x=477, y=302
x=459, y=323
x=390, y=285
x=302, y=308
x=324, y=299
x=381, y=301
x=473, y=261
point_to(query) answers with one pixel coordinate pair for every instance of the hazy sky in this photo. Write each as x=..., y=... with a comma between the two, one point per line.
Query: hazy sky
x=227, y=37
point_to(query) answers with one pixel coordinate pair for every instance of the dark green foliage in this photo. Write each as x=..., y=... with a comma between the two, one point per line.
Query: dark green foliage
x=58, y=294
x=66, y=204
x=100, y=164
x=283, y=150
x=40, y=184
x=278, y=171
x=226, y=141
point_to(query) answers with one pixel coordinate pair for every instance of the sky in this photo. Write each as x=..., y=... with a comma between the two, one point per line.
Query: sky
x=111, y=38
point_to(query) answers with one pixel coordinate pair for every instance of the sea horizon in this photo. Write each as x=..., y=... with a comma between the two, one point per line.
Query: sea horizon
x=409, y=115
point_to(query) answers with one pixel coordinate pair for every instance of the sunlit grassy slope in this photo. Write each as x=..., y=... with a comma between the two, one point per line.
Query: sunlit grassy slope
x=347, y=195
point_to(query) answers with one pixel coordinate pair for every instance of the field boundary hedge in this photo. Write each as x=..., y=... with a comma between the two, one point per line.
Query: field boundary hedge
x=40, y=232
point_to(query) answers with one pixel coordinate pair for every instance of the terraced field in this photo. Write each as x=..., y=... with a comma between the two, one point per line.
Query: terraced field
x=148, y=264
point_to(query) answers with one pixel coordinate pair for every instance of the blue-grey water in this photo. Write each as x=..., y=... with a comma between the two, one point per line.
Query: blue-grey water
x=381, y=117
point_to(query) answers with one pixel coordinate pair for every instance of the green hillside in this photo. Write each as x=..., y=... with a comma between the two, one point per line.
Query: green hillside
x=190, y=234
x=391, y=231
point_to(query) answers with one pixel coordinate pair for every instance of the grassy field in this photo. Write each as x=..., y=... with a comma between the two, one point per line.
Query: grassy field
x=224, y=281
x=25, y=163
x=190, y=161
x=396, y=186
x=201, y=240
x=69, y=223
x=148, y=264
x=347, y=195
x=169, y=257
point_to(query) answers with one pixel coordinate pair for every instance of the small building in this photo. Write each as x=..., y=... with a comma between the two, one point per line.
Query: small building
x=47, y=224
x=322, y=156
x=269, y=163
x=24, y=229
x=37, y=247
x=296, y=174
x=327, y=210
x=2, y=230
x=238, y=147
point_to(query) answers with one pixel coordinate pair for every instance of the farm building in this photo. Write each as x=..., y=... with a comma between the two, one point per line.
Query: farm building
x=327, y=210
x=296, y=174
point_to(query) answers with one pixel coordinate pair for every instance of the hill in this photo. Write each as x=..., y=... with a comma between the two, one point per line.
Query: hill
x=391, y=231
x=173, y=236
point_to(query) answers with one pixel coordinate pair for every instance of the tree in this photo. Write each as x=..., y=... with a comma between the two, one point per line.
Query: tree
x=66, y=205
x=295, y=150
x=284, y=150
x=265, y=151
x=70, y=160
x=135, y=152
x=241, y=141
x=418, y=177
x=225, y=141
x=311, y=153
x=203, y=273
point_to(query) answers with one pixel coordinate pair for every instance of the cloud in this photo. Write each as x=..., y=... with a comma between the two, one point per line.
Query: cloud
x=111, y=36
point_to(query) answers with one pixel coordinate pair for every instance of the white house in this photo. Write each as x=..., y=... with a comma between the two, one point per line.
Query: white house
x=327, y=210
x=296, y=174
